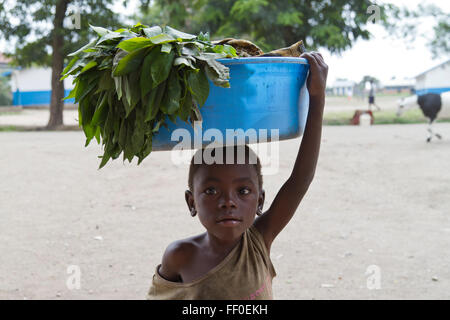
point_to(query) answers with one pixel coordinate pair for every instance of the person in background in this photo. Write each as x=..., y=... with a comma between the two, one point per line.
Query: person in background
x=372, y=96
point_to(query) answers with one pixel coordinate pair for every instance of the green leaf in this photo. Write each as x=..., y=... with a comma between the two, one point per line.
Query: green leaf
x=72, y=93
x=89, y=45
x=166, y=48
x=127, y=89
x=132, y=92
x=79, y=64
x=171, y=100
x=138, y=134
x=158, y=125
x=203, y=36
x=153, y=31
x=106, y=63
x=84, y=88
x=108, y=127
x=119, y=55
x=196, y=115
x=70, y=65
x=150, y=108
x=80, y=118
x=90, y=65
x=118, y=84
x=133, y=44
x=190, y=49
x=126, y=105
x=146, y=80
x=217, y=73
x=199, y=85
x=116, y=129
x=101, y=112
x=106, y=156
x=89, y=131
x=161, y=38
x=138, y=27
x=227, y=49
x=135, y=91
x=186, y=61
x=106, y=83
x=186, y=106
x=130, y=62
x=87, y=111
x=123, y=133
x=99, y=30
x=160, y=68
x=146, y=150
x=109, y=36
x=97, y=134
x=128, y=149
x=178, y=34
x=154, y=101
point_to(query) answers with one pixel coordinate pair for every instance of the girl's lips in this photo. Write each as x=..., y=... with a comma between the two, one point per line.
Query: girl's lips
x=229, y=222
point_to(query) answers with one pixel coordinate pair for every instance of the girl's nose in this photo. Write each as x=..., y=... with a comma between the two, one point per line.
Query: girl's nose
x=226, y=200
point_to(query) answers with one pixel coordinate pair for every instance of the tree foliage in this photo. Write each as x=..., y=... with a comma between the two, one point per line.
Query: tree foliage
x=28, y=26
x=5, y=92
x=407, y=24
x=334, y=25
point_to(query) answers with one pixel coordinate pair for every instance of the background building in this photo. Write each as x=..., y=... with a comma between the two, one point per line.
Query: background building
x=32, y=87
x=342, y=87
x=398, y=85
x=436, y=79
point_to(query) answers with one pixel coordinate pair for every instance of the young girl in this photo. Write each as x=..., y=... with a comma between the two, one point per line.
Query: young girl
x=231, y=260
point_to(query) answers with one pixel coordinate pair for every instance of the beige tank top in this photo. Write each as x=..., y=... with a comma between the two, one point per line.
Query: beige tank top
x=246, y=273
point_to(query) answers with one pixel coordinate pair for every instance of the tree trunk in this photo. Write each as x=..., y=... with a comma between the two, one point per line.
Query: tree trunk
x=56, y=102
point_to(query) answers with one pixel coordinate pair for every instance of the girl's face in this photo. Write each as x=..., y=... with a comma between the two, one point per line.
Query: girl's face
x=226, y=198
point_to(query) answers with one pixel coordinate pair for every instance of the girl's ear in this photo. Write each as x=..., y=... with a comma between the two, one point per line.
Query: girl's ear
x=262, y=196
x=189, y=199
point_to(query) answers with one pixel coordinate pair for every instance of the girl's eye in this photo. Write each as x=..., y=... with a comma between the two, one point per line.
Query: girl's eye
x=210, y=191
x=245, y=191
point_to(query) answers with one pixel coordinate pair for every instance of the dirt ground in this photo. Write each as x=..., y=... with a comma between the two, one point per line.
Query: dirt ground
x=380, y=201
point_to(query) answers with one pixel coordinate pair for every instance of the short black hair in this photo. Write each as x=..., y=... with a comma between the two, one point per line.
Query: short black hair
x=223, y=150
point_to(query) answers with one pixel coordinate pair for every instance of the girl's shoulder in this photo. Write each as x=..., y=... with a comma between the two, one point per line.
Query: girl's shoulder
x=177, y=255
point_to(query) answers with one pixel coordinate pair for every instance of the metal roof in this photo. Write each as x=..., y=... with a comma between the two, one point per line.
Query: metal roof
x=435, y=67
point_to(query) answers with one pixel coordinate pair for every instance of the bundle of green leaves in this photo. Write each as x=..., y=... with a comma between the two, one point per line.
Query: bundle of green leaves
x=128, y=82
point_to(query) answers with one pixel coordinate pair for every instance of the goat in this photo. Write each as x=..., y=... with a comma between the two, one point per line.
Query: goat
x=432, y=106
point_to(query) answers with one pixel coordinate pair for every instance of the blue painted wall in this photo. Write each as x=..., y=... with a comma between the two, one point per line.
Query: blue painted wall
x=29, y=98
x=432, y=90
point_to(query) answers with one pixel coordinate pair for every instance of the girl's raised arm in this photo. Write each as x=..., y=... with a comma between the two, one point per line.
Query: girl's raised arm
x=293, y=190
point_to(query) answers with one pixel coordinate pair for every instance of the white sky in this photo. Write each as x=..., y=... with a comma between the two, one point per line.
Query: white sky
x=383, y=57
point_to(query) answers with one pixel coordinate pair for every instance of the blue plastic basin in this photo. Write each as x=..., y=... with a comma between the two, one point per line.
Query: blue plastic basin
x=265, y=93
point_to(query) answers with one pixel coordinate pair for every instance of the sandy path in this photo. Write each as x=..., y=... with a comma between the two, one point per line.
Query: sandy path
x=36, y=117
x=380, y=197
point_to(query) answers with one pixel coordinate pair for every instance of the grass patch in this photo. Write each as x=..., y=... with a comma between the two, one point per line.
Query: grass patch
x=8, y=128
x=380, y=117
x=19, y=128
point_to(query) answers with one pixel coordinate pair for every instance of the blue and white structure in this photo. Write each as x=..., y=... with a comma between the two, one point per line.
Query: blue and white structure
x=32, y=87
x=434, y=80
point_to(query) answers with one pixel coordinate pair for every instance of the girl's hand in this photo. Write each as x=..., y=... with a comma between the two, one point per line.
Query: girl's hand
x=318, y=71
